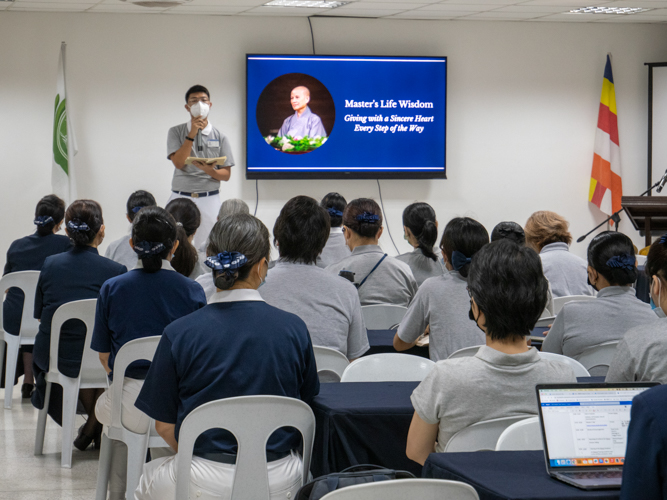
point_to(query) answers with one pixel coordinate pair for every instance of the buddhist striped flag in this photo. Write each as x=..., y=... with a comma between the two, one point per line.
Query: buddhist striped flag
x=64, y=144
x=606, y=185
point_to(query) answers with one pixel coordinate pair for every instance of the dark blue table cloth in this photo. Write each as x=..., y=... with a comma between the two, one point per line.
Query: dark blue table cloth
x=362, y=423
x=382, y=341
x=507, y=475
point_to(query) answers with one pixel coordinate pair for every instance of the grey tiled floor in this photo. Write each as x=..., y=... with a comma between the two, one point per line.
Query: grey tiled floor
x=23, y=476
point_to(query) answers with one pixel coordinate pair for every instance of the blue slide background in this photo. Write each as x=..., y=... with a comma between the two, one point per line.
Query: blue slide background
x=358, y=79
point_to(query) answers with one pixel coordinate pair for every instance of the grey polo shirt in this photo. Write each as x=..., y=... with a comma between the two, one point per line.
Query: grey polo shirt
x=328, y=304
x=443, y=303
x=422, y=267
x=190, y=179
x=391, y=283
x=335, y=250
x=580, y=325
x=120, y=251
x=566, y=272
x=641, y=355
x=462, y=391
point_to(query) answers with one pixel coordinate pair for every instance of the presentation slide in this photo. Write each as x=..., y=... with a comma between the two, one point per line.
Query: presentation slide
x=345, y=117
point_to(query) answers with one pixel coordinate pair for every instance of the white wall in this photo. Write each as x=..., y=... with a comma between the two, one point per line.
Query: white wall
x=522, y=110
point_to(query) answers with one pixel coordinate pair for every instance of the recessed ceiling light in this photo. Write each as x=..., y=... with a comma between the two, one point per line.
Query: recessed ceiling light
x=609, y=10
x=318, y=4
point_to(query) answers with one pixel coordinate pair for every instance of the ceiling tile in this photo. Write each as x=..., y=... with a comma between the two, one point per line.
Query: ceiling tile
x=431, y=14
x=490, y=2
x=125, y=8
x=343, y=12
x=372, y=3
x=566, y=3
x=283, y=11
x=244, y=4
x=49, y=7
x=381, y=5
x=206, y=9
x=538, y=9
x=571, y=18
x=458, y=7
x=494, y=14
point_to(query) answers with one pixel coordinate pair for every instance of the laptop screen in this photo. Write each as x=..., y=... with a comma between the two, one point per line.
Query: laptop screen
x=586, y=426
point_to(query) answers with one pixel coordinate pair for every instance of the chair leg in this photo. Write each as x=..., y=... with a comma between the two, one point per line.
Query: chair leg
x=2, y=360
x=10, y=368
x=70, y=398
x=41, y=421
x=103, y=470
x=136, y=457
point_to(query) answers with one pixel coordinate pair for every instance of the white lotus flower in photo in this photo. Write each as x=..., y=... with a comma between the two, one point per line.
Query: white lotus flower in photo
x=288, y=146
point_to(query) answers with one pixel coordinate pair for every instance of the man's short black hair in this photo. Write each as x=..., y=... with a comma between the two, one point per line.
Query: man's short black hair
x=508, y=285
x=301, y=230
x=196, y=89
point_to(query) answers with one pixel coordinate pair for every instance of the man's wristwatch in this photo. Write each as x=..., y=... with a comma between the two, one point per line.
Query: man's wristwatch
x=189, y=139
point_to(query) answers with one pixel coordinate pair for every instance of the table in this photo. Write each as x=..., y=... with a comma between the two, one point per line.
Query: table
x=362, y=423
x=382, y=341
x=507, y=475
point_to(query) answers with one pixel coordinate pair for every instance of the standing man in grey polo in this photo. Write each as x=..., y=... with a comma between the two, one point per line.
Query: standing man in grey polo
x=199, y=182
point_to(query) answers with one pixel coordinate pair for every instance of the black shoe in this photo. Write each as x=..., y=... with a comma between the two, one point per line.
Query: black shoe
x=27, y=390
x=82, y=441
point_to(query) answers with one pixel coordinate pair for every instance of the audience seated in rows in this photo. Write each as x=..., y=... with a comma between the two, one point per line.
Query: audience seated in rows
x=77, y=274
x=137, y=304
x=547, y=233
x=612, y=270
x=335, y=250
x=188, y=218
x=28, y=254
x=120, y=250
x=641, y=355
x=499, y=381
x=379, y=278
x=442, y=302
x=420, y=229
x=236, y=346
x=328, y=304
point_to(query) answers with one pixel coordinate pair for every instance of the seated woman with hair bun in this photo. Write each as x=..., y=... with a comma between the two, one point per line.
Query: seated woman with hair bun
x=421, y=231
x=612, y=270
x=237, y=345
x=379, y=279
x=28, y=254
x=188, y=219
x=74, y=275
x=335, y=250
x=138, y=304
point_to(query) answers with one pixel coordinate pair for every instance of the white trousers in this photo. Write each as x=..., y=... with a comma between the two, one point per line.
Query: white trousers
x=209, y=206
x=213, y=481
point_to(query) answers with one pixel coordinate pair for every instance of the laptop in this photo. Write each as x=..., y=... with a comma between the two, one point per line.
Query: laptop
x=584, y=431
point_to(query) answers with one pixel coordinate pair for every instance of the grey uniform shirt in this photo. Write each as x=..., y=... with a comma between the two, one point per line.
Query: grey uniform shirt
x=391, y=283
x=443, y=303
x=580, y=325
x=641, y=355
x=462, y=391
x=328, y=304
x=206, y=282
x=120, y=251
x=423, y=267
x=190, y=179
x=566, y=272
x=335, y=250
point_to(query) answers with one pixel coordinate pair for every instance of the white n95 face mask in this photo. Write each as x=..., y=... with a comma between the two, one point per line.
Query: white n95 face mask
x=200, y=109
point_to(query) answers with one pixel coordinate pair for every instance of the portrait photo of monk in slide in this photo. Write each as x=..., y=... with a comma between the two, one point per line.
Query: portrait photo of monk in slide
x=295, y=113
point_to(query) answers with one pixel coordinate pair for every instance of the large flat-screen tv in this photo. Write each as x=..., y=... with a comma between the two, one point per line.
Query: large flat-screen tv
x=345, y=117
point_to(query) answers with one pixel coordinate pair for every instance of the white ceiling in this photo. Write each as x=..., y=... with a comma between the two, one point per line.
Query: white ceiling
x=469, y=10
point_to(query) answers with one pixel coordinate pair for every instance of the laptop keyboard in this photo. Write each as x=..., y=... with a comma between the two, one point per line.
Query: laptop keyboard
x=609, y=474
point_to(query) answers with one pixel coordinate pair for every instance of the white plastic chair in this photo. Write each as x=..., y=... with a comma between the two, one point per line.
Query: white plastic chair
x=559, y=302
x=137, y=444
x=482, y=436
x=252, y=420
x=27, y=282
x=578, y=369
x=641, y=260
x=546, y=318
x=597, y=359
x=402, y=489
x=523, y=435
x=91, y=375
x=382, y=316
x=388, y=367
x=466, y=352
x=330, y=363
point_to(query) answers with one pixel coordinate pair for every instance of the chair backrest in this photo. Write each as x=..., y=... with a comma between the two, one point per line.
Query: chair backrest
x=641, y=260
x=559, y=302
x=401, y=489
x=388, y=367
x=252, y=420
x=466, y=352
x=578, y=369
x=522, y=435
x=83, y=310
x=135, y=350
x=481, y=436
x=26, y=281
x=382, y=316
x=330, y=363
x=597, y=359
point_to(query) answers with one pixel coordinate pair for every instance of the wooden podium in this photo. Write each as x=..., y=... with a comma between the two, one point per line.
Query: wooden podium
x=647, y=213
